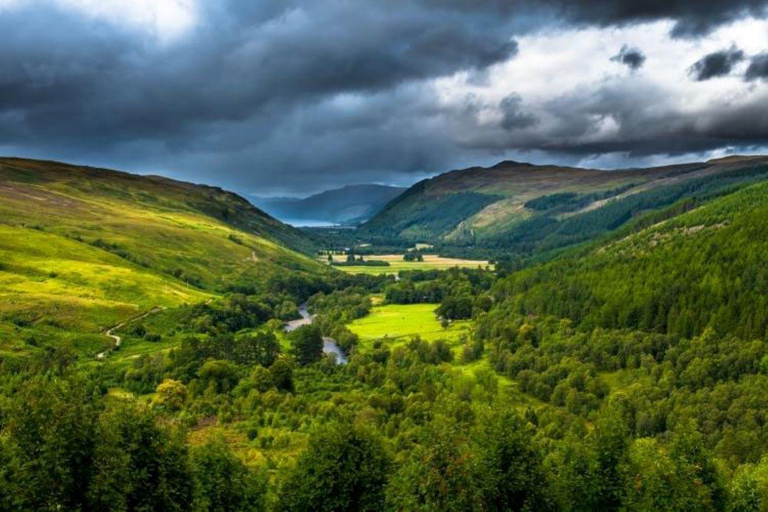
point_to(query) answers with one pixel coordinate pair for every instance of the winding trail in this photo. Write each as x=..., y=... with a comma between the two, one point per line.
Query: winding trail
x=118, y=340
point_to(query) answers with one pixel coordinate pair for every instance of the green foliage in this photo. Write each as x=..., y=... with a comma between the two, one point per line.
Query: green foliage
x=442, y=472
x=63, y=450
x=220, y=376
x=307, y=344
x=171, y=395
x=224, y=483
x=704, y=269
x=342, y=469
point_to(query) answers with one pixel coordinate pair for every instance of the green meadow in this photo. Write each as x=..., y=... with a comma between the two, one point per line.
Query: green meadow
x=397, y=323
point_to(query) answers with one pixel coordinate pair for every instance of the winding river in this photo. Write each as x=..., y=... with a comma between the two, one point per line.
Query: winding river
x=329, y=344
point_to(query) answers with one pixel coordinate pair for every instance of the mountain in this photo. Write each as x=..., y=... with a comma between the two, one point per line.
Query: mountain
x=525, y=208
x=352, y=204
x=82, y=249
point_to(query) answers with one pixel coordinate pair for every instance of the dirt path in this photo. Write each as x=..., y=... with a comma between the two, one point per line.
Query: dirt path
x=118, y=340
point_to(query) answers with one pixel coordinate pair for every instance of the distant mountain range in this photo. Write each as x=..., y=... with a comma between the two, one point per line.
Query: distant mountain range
x=349, y=205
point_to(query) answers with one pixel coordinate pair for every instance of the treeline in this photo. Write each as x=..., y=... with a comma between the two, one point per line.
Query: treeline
x=460, y=292
x=421, y=220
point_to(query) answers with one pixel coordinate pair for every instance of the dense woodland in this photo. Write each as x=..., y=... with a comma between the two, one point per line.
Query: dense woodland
x=628, y=373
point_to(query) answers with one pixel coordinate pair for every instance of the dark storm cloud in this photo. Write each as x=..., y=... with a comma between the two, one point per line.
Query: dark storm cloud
x=80, y=88
x=296, y=93
x=614, y=119
x=716, y=64
x=692, y=18
x=630, y=57
x=513, y=116
x=758, y=67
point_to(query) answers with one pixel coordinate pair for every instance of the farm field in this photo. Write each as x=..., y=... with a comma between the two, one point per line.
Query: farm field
x=396, y=264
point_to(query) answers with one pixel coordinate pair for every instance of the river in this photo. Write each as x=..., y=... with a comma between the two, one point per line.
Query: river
x=329, y=344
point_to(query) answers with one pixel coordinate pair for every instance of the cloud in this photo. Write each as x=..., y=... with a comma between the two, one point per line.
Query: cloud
x=630, y=57
x=307, y=94
x=716, y=64
x=692, y=19
x=758, y=67
x=512, y=115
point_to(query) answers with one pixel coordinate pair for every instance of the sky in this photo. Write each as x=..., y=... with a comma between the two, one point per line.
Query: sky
x=290, y=97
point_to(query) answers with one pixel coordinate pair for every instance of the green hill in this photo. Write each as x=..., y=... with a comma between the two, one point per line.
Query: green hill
x=82, y=249
x=524, y=209
x=705, y=268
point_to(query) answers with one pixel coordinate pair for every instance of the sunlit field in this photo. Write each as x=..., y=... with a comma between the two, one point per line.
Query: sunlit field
x=398, y=323
x=397, y=264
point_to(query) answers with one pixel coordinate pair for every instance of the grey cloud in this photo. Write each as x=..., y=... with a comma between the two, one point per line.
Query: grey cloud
x=297, y=93
x=630, y=57
x=692, y=19
x=513, y=117
x=758, y=67
x=613, y=119
x=716, y=64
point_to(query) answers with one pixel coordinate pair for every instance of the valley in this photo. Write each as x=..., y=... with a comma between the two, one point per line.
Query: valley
x=371, y=256
x=180, y=312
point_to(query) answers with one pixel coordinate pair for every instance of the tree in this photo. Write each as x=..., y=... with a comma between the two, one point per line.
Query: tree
x=224, y=483
x=51, y=429
x=219, y=374
x=749, y=488
x=282, y=374
x=343, y=469
x=171, y=395
x=307, y=343
x=142, y=465
x=441, y=473
x=515, y=479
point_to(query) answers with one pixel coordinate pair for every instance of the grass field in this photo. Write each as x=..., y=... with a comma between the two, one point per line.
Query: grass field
x=83, y=249
x=396, y=264
x=398, y=323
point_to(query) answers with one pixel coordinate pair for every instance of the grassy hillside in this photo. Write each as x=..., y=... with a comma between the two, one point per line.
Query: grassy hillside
x=82, y=249
x=706, y=268
x=524, y=209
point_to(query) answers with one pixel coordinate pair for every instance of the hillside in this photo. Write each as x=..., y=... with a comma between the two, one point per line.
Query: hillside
x=524, y=208
x=348, y=205
x=82, y=249
x=703, y=269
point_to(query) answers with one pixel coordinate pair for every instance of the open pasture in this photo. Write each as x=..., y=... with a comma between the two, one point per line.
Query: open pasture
x=397, y=264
